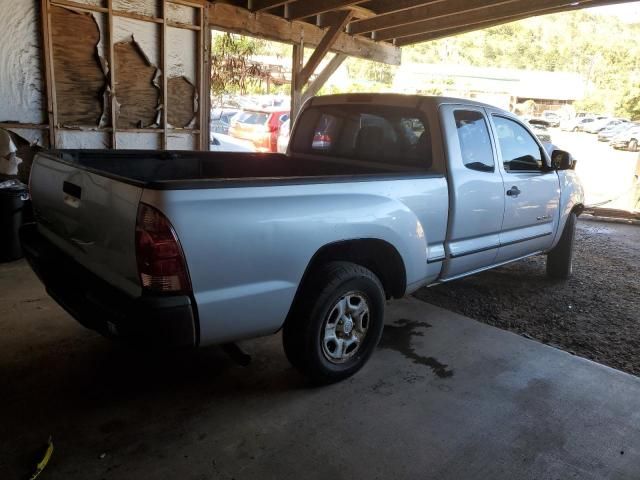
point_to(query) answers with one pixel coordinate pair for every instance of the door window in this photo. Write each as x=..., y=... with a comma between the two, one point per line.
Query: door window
x=520, y=152
x=475, y=143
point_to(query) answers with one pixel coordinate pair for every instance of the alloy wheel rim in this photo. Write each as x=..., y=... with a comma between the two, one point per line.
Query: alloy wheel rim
x=345, y=327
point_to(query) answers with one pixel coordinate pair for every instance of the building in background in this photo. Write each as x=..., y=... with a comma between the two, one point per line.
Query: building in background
x=520, y=91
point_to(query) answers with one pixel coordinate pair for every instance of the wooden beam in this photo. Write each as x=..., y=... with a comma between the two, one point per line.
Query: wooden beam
x=302, y=9
x=112, y=77
x=206, y=77
x=325, y=44
x=52, y=109
x=323, y=76
x=439, y=33
x=417, y=14
x=270, y=27
x=496, y=12
x=385, y=6
x=203, y=139
x=164, y=63
x=296, y=88
x=261, y=5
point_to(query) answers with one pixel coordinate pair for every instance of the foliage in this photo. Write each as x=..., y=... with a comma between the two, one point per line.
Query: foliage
x=233, y=71
x=603, y=49
x=630, y=104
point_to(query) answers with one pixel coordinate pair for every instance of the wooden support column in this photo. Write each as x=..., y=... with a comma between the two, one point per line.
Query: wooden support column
x=300, y=74
x=163, y=60
x=296, y=85
x=52, y=112
x=205, y=102
x=112, y=77
x=339, y=22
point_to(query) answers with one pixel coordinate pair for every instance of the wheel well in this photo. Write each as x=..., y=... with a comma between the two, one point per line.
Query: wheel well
x=578, y=209
x=376, y=255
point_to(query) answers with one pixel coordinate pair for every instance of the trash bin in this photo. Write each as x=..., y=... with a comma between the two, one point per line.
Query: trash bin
x=14, y=199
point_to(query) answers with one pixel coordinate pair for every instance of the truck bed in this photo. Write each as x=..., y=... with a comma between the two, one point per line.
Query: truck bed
x=182, y=169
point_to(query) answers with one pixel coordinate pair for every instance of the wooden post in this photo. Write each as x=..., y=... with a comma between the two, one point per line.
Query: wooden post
x=52, y=111
x=112, y=77
x=206, y=90
x=296, y=84
x=163, y=60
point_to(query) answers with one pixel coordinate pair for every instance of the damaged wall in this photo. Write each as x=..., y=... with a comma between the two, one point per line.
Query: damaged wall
x=21, y=80
x=80, y=63
x=137, y=89
x=79, y=78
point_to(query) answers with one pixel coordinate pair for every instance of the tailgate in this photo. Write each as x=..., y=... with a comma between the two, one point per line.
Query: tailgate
x=90, y=217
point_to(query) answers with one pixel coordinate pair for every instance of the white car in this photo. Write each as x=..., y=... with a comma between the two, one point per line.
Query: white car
x=224, y=143
x=283, y=137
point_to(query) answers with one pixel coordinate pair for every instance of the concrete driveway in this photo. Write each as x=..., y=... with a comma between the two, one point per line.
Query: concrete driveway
x=445, y=397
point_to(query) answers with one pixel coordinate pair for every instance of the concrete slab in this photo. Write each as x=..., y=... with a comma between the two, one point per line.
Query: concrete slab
x=444, y=397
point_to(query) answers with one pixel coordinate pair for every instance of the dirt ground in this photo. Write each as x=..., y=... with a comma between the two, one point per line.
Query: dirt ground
x=594, y=314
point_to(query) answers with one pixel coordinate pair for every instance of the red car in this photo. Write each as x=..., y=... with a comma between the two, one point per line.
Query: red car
x=260, y=127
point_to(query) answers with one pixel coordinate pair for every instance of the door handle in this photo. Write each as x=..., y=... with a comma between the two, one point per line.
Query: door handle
x=513, y=191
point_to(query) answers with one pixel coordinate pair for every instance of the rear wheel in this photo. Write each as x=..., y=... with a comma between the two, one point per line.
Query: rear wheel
x=560, y=259
x=633, y=145
x=336, y=324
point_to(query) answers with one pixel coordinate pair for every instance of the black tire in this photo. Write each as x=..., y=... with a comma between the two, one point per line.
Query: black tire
x=304, y=331
x=633, y=145
x=560, y=259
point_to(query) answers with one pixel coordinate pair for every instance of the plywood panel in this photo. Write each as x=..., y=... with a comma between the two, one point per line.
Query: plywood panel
x=182, y=106
x=79, y=79
x=137, y=92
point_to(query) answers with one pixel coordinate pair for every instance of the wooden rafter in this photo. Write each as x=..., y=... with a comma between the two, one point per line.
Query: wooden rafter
x=385, y=6
x=464, y=27
x=495, y=12
x=260, y=5
x=297, y=10
x=424, y=12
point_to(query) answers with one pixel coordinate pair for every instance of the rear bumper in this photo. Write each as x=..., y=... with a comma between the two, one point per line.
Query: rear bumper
x=158, y=321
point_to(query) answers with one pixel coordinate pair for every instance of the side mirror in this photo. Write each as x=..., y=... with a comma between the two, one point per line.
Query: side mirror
x=561, y=160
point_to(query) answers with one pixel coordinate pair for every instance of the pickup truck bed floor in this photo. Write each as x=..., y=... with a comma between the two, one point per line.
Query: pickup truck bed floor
x=594, y=314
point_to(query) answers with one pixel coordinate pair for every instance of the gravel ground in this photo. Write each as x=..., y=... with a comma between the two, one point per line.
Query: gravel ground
x=594, y=314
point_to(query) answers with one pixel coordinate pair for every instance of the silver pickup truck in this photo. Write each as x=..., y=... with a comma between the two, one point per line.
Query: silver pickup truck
x=377, y=195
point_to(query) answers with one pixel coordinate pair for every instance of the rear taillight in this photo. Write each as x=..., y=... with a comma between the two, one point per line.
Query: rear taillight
x=161, y=264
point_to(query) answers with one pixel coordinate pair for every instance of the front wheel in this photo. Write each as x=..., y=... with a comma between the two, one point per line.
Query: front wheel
x=633, y=145
x=560, y=259
x=336, y=324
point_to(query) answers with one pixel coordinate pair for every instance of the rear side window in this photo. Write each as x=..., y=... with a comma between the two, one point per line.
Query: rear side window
x=374, y=133
x=475, y=143
x=520, y=152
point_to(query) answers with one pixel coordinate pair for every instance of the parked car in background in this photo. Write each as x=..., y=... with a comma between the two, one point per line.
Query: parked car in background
x=219, y=142
x=221, y=119
x=552, y=117
x=598, y=125
x=577, y=124
x=605, y=135
x=259, y=126
x=283, y=137
x=628, y=140
x=540, y=128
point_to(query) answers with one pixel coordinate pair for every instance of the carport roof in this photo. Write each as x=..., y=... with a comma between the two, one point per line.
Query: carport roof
x=375, y=28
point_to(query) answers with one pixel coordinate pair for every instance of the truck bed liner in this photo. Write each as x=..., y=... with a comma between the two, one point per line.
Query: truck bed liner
x=186, y=169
